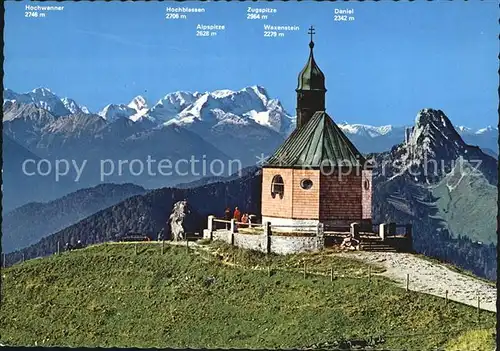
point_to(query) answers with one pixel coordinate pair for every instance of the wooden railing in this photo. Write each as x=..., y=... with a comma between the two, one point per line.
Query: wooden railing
x=384, y=230
x=220, y=224
x=390, y=230
x=217, y=223
x=294, y=226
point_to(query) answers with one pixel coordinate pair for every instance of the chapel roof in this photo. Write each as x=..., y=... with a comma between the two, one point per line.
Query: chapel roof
x=318, y=143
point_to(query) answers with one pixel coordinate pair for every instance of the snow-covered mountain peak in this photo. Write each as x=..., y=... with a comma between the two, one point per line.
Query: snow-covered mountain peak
x=43, y=91
x=237, y=102
x=429, y=116
x=431, y=150
x=42, y=98
x=246, y=97
x=260, y=89
x=186, y=121
x=431, y=121
x=171, y=105
x=385, y=129
x=255, y=90
x=434, y=136
x=135, y=110
x=367, y=130
x=230, y=118
x=112, y=112
x=73, y=107
x=488, y=129
x=138, y=103
x=222, y=93
x=260, y=92
x=251, y=102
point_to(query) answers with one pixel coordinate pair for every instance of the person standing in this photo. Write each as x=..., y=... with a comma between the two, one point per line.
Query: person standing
x=227, y=216
x=237, y=214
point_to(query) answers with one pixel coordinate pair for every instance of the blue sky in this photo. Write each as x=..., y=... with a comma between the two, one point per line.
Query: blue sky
x=392, y=60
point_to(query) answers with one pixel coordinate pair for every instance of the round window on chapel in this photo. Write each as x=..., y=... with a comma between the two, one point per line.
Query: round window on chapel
x=306, y=184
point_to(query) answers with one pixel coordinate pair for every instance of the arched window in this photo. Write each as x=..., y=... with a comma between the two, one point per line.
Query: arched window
x=277, y=186
x=366, y=184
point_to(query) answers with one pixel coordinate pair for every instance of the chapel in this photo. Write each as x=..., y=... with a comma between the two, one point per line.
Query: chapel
x=317, y=174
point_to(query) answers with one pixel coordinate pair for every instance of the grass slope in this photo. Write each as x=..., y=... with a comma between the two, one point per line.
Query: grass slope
x=483, y=339
x=106, y=295
x=468, y=203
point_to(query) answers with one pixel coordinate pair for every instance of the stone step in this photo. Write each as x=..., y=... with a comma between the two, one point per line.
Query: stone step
x=375, y=245
x=379, y=249
x=372, y=240
x=378, y=246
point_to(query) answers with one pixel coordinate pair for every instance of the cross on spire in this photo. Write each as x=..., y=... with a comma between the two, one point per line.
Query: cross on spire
x=311, y=43
x=311, y=31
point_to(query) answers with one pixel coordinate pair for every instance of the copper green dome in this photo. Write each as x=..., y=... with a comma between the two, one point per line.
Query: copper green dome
x=311, y=77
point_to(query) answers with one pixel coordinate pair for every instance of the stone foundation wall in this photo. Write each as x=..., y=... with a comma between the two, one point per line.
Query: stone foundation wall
x=274, y=243
x=222, y=235
x=251, y=241
x=289, y=244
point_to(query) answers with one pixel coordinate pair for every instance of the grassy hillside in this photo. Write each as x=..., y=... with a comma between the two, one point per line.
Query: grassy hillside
x=106, y=295
x=464, y=200
x=149, y=213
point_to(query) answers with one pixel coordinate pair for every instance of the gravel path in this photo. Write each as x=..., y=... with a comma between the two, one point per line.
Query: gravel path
x=431, y=278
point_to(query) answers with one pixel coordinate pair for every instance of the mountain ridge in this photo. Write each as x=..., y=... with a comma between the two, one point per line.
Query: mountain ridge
x=245, y=125
x=180, y=100
x=62, y=212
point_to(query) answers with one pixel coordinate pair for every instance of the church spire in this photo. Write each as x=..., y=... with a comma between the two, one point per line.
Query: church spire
x=311, y=87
